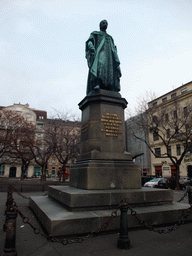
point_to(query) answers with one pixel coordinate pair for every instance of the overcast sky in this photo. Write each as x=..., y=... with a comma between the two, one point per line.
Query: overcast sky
x=42, y=48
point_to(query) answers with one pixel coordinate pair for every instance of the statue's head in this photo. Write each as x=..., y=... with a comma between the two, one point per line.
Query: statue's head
x=103, y=25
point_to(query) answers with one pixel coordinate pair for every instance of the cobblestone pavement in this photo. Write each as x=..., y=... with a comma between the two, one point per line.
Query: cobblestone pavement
x=143, y=242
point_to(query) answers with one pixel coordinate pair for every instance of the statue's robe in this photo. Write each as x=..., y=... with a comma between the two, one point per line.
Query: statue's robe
x=104, y=69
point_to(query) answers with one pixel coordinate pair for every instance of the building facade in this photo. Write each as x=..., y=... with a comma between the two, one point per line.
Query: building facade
x=39, y=119
x=174, y=109
x=136, y=147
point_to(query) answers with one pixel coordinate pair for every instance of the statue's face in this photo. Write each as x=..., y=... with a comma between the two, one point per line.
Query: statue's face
x=103, y=25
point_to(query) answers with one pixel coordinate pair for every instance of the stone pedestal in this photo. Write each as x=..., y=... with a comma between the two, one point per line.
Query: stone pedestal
x=103, y=174
x=103, y=162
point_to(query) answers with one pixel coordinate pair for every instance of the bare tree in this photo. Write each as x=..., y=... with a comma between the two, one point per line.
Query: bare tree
x=65, y=137
x=42, y=149
x=168, y=125
x=17, y=135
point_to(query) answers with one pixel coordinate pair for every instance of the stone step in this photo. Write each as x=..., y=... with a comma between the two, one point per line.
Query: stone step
x=58, y=221
x=76, y=199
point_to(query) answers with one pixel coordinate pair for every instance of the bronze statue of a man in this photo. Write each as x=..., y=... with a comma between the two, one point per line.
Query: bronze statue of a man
x=103, y=61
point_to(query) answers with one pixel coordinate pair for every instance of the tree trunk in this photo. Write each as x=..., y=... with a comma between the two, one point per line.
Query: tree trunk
x=177, y=187
x=43, y=174
x=22, y=176
x=24, y=168
x=63, y=173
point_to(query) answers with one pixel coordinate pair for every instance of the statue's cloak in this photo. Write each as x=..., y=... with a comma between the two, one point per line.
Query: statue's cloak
x=104, y=63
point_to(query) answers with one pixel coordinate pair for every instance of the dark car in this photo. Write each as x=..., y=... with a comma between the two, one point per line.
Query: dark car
x=167, y=183
x=171, y=183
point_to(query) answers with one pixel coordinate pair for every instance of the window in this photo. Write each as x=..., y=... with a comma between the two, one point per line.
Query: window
x=54, y=160
x=168, y=133
x=154, y=104
x=169, y=150
x=53, y=170
x=40, y=126
x=167, y=117
x=157, y=152
x=2, y=170
x=37, y=171
x=173, y=95
x=184, y=90
x=155, y=136
x=178, y=149
x=164, y=99
x=185, y=111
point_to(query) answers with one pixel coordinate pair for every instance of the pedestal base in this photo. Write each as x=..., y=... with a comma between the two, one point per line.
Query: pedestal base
x=60, y=221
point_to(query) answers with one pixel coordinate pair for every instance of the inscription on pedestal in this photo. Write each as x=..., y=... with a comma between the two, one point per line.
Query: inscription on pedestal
x=112, y=124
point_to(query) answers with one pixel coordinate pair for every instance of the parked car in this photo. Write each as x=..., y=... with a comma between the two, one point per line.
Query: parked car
x=189, y=182
x=186, y=181
x=171, y=183
x=167, y=183
x=183, y=182
x=145, y=179
x=152, y=183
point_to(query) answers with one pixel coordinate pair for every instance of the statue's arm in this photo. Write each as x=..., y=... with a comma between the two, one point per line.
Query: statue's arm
x=91, y=47
x=90, y=51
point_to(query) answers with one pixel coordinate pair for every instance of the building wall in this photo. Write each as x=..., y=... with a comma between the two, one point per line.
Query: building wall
x=136, y=147
x=39, y=119
x=30, y=115
x=183, y=96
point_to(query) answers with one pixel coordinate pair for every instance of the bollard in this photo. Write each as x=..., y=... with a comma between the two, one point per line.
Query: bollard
x=190, y=197
x=10, y=227
x=9, y=248
x=123, y=241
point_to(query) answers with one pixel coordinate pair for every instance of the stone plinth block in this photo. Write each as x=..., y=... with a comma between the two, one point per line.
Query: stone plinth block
x=103, y=127
x=105, y=174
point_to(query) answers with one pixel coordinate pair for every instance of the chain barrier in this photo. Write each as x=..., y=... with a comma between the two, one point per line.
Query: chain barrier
x=182, y=198
x=152, y=228
x=19, y=193
x=65, y=241
x=37, y=230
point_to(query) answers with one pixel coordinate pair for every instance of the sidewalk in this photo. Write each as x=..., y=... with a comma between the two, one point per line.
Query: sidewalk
x=29, y=184
x=143, y=242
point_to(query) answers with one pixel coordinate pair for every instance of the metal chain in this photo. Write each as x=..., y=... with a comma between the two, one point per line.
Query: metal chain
x=181, y=199
x=66, y=241
x=104, y=225
x=19, y=193
x=160, y=231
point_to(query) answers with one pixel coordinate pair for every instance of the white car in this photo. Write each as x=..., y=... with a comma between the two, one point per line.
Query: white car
x=152, y=183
